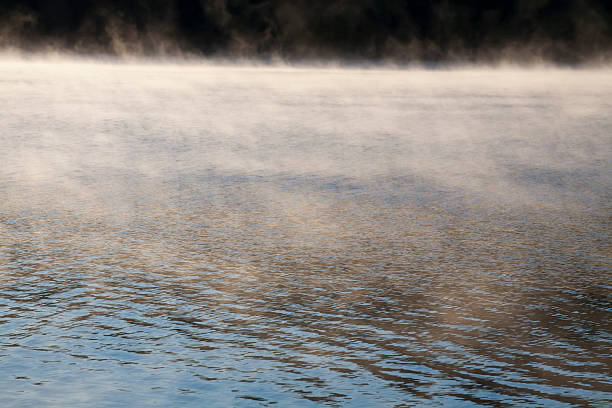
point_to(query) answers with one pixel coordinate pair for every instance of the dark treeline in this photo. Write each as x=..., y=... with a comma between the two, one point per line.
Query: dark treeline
x=398, y=30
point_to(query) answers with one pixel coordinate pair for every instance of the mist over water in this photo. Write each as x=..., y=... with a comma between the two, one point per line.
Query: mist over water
x=248, y=236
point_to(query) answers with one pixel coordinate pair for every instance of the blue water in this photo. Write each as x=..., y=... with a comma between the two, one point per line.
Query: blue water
x=194, y=235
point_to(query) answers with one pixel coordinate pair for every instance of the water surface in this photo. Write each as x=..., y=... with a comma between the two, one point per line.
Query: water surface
x=192, y=235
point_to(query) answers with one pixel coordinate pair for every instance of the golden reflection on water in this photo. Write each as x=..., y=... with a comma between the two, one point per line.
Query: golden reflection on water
x=340, y=282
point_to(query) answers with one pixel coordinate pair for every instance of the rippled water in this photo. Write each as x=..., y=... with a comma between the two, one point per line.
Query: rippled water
x=223, y=236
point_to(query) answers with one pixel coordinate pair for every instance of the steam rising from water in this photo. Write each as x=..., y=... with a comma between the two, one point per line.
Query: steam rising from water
x=443, y=124
x=572, y=31
x=297, y=235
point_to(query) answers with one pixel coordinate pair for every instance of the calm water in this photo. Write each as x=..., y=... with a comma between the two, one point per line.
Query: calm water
x=223, y=236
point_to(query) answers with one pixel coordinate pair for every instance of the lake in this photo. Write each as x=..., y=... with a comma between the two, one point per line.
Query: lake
x=194, y=234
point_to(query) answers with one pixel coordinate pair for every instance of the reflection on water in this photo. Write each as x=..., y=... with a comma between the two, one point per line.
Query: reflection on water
x=188, y=235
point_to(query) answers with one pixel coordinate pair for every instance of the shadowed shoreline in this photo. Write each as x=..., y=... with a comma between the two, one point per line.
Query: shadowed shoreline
x=432, y=32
